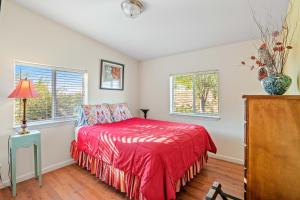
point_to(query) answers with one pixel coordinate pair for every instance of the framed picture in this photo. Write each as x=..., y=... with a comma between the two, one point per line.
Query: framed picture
x=111, y=75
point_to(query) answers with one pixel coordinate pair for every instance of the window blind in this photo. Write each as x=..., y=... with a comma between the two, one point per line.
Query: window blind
x=195, y=93
x=60, y=92
x=69, y=93
x=183, y=93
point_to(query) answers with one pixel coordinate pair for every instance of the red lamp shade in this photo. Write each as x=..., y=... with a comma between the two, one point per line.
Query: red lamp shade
x=25, y=89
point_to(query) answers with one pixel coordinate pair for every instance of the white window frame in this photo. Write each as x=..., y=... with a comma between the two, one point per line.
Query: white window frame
x=55, y=120
x=193, y=114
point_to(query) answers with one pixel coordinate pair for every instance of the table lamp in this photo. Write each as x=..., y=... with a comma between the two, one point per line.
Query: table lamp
x=24, y=90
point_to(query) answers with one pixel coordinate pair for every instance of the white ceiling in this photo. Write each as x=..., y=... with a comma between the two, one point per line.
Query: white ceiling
x=166, y=27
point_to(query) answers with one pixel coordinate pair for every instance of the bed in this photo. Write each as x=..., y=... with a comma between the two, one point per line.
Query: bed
x=146, y=159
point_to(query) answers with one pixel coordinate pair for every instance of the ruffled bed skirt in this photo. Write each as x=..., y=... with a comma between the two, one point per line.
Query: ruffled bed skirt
x=122, y=181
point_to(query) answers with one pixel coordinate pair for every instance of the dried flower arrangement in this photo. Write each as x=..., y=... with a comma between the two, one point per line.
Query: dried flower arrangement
x=274, y=49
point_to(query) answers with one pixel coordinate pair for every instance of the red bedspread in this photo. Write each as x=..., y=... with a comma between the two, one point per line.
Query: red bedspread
x=158, y=152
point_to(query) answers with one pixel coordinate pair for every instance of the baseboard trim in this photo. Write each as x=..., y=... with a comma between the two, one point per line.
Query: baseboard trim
x=226, y=158
x=47, y=169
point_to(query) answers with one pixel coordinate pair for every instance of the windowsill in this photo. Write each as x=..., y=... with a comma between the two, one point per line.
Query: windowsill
x=47, y=123
x=214, y=117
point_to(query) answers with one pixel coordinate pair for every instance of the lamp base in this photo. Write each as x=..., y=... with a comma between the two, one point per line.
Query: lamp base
x=23, y=131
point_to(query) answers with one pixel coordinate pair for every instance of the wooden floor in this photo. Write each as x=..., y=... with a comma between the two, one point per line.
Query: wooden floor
x=74, y=183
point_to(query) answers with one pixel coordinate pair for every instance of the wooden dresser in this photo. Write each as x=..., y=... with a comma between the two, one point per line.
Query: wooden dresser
x=272, y=147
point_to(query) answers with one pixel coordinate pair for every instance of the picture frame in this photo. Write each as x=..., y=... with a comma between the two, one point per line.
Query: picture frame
x=111, y=75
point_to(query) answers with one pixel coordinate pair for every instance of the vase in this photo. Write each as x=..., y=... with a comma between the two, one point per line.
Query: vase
x=276, y=84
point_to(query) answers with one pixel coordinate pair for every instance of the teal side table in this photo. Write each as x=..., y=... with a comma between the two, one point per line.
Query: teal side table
x=24, y=141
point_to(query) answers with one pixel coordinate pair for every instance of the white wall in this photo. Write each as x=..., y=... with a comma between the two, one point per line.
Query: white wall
x=292, y=67
x=30, y=37
x=235, y=80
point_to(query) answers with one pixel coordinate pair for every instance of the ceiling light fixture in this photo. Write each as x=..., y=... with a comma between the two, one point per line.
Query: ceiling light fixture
x=132, y=8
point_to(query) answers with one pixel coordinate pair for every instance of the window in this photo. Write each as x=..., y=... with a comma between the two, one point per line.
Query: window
x=195, y=93
x=60, y=92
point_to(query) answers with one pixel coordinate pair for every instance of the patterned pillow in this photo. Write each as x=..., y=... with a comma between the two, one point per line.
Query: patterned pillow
x=120, y=112
x=97, y=114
